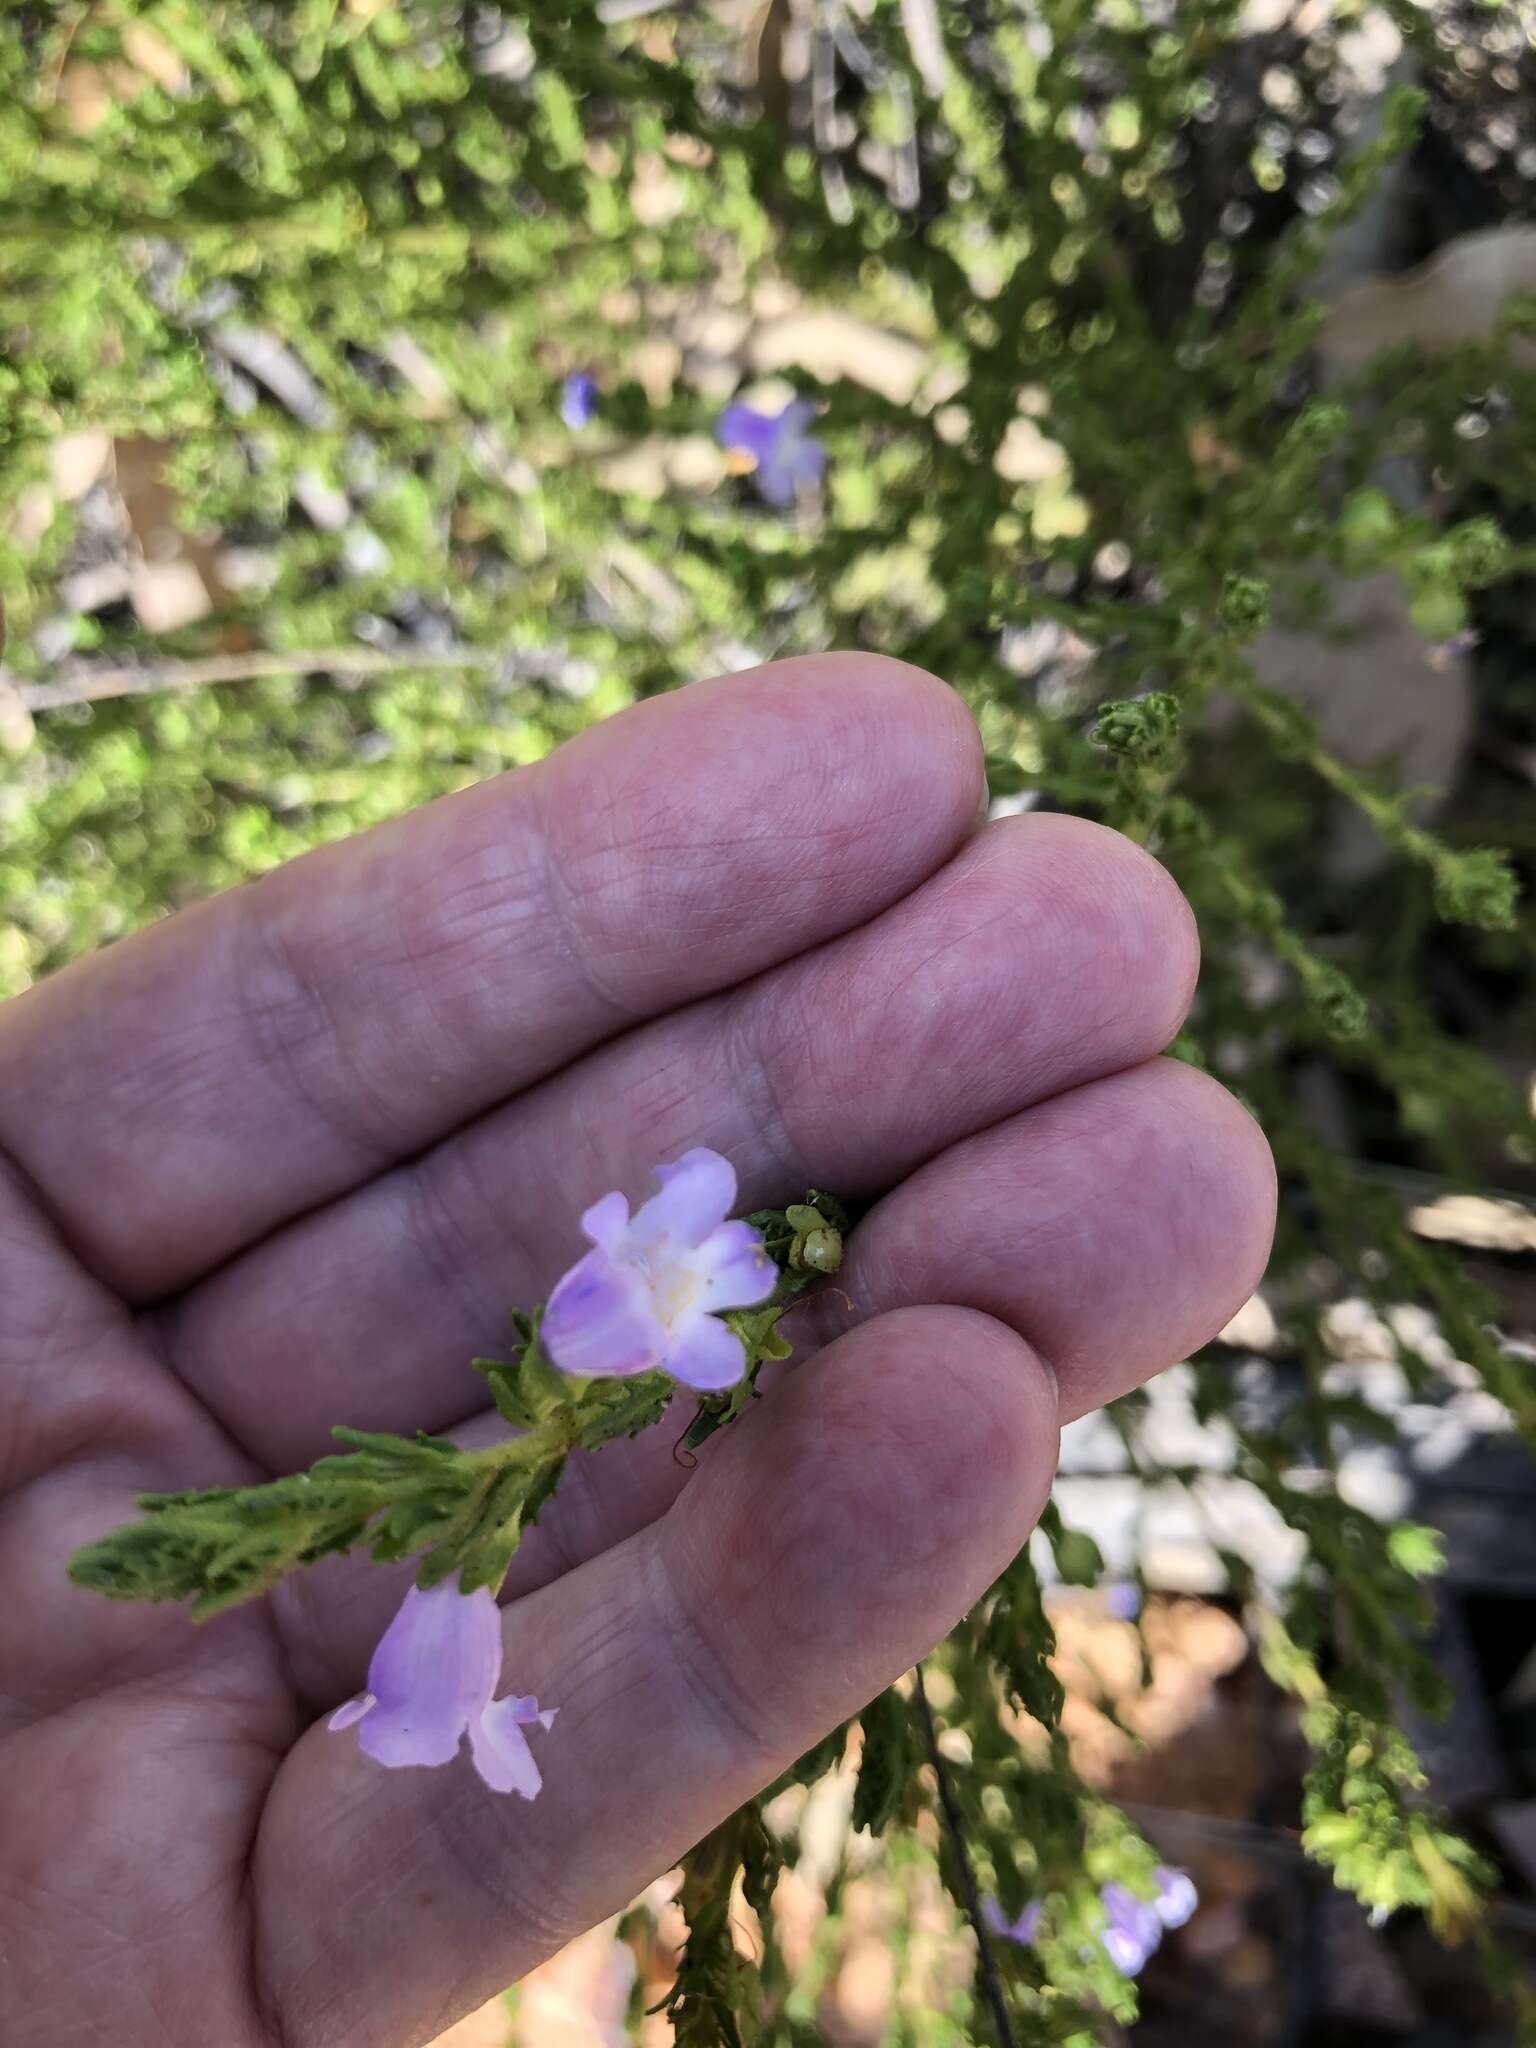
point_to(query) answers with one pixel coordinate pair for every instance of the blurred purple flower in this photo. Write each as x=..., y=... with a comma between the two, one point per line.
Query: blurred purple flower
x=1122, y=1601
x=787, y=459
x=578, y=398
x=430, y=1682
x=647, y=1294
x=1176, y=1898
x=1132, y=1929
x=1023, y=1930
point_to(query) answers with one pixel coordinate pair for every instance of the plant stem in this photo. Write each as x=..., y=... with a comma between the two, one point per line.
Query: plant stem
x=90, y=685
x=951, y=1812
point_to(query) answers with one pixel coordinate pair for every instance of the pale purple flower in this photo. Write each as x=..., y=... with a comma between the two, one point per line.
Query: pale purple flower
x=578, y=399
x=1122, y=1601
x=646, y=1295
x=1176, y=1898
x=1023, y=1930
x=787, y=458
x=430, y=1683
x=1132, y=1928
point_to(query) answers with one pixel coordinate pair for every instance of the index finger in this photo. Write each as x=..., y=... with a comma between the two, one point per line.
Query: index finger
x=193, y=1087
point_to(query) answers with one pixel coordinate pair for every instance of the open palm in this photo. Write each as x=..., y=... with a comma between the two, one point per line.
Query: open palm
x=287, y=1159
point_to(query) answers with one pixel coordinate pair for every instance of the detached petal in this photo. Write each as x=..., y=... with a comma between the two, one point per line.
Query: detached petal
x=707, y=1354
x=698, y=1192
x=433, y=1672
x=735, y=1270
x=500, y=1750
x=599, y=1319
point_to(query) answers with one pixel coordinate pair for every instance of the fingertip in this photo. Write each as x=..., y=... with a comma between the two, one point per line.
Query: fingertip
x=1105, y=883
x=868, y=1503
x=901, y=721
x=1243, y=1187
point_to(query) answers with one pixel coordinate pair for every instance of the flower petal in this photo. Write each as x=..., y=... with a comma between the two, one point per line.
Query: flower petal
x=1124, y=1951
x=599, y=1319
x=527, y=1710
x=742, y=426
x=433, y=1672
x=796, y=459
x=351, y=1710
x=606, y=1222
x=707, y=1354
x=500, y=1750
x=735, y=1270
x=578, y=398
x=698, y=1192
x=1176, y=1896
x=1133, y=1923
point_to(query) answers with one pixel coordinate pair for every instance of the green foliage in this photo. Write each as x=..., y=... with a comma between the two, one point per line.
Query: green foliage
x=462, y=1512
x=885, y=1762
x=714, y=2001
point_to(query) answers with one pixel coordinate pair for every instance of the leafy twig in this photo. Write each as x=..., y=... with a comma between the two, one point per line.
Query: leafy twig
x=951, y=1812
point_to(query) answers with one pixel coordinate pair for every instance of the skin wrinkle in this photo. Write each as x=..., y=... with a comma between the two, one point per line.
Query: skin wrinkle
x=731, y=1709
x=266, y=952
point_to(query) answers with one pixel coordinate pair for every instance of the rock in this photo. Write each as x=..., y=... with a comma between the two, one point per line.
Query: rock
x=1092, y=1443
x=1384, y=697
x=32, y=517
x=833, y=345
x=93, y=589
x=1455, y=297
x=148, y=51
x=168, y=595
x=323, y=505
x=1171, y=1434
x=1253, y=1328
x=79, y=461
x=1478, y=1221
x=409, y=361
x=1514, y=1825
x=1026, y=456
x=1371, y=1479
x=1361, y=1983
x=17, y=731
x=1461, y=1753
x=272, y=363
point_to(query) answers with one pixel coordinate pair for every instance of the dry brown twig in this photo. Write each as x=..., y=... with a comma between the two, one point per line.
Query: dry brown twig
x=90, y=685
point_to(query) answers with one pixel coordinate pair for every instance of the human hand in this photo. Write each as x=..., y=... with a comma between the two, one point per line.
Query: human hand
x=287, y=1159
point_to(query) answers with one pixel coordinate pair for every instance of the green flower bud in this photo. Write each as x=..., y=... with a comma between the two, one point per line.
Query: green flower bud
x=1139, y=728
x=1477, y=888
x=1244, y=603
